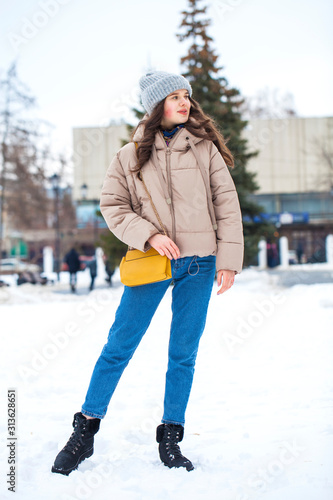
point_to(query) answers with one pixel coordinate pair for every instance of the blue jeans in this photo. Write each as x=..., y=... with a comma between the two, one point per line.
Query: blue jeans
x=193, y=279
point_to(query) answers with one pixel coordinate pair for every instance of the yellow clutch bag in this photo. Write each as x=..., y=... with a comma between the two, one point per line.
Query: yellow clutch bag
x=140, y=268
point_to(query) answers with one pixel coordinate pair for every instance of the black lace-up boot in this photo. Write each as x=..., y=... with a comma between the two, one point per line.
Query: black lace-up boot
x=79, y=446
x=168, y=436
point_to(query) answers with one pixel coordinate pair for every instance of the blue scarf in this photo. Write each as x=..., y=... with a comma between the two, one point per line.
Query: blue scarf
x=168, y=134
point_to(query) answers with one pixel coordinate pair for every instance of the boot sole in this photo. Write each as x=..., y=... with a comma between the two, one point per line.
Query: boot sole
x=178, y=467
x=66, y=472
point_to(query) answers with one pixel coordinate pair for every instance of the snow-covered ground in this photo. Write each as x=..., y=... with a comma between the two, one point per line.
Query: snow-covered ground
x=259, y=422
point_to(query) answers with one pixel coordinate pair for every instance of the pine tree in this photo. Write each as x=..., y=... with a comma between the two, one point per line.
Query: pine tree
x=223, y=103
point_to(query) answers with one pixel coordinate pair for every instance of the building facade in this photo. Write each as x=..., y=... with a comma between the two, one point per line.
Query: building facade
x=93, y=150
x=294, y=171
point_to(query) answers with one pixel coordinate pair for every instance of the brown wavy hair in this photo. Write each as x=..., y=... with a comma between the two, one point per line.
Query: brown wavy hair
x=198, y=123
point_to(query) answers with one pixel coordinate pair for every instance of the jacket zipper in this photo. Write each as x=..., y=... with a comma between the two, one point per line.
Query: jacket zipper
x=168, y=168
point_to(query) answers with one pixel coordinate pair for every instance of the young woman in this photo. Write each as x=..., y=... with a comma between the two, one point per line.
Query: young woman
x=183, y=159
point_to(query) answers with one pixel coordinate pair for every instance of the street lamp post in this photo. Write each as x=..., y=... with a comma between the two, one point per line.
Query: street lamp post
x=55, y=186
x=84, y=191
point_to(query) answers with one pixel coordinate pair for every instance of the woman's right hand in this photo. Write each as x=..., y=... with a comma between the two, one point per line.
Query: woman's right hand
x=164, y=245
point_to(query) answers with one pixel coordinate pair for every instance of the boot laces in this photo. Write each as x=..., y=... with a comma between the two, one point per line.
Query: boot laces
x=171, y=445
x=76, y=439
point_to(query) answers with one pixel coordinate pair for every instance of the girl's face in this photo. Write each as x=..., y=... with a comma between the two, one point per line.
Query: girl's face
x=176, y=109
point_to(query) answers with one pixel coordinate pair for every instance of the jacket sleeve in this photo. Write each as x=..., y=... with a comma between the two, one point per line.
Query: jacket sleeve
x=230, y=241
x=117, y=210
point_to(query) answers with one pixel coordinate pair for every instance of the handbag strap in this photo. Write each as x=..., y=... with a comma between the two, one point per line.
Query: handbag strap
x=151, y=200
x=152, y=203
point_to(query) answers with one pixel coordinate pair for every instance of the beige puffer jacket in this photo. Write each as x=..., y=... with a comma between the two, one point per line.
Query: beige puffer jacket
x=191, y=201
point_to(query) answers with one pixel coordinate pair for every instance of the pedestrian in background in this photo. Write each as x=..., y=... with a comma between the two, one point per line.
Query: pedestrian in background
x=109, y=269
x=73, y=262
x=92, y=265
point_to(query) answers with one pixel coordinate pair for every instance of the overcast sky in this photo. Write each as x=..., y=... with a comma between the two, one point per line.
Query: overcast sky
x=82, y=59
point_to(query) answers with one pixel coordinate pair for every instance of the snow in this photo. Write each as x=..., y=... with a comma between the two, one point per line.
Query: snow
x=259, y=421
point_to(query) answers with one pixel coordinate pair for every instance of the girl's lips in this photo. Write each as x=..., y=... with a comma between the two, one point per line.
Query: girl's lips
x=183, y=112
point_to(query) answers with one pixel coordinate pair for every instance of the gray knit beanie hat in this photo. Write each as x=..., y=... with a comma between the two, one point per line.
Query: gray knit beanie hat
x=157, y=85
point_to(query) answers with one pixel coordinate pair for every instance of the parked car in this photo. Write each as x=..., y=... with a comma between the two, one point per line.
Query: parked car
x=31, y=277
x=14, y=266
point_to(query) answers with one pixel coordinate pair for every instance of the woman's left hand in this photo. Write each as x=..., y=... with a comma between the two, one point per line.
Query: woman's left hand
x=228, y=279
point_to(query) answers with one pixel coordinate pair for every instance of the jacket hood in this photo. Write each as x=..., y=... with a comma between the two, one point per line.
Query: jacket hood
x=179, y=141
